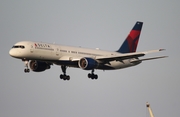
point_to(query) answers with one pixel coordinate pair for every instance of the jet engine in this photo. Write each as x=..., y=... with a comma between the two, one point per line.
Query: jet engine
x=87, y=63
x=38, y=66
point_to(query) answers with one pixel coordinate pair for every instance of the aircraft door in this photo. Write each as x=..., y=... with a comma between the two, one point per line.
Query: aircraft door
x=31, y=48
x=57, y=51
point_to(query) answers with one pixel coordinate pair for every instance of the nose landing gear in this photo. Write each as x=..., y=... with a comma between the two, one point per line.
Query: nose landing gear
x=26, y=70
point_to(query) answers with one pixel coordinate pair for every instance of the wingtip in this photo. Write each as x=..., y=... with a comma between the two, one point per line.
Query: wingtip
x=165, y=56
x=162, y=49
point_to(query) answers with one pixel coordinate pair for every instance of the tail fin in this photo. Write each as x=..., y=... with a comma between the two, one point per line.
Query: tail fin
x=131, y=42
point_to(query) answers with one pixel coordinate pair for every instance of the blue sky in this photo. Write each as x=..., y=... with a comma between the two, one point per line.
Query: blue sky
x=96, y=23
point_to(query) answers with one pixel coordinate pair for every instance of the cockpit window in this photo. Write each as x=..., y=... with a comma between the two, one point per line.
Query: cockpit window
x=18, y=46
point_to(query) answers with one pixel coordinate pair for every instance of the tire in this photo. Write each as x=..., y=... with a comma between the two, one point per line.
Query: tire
x=89, y=75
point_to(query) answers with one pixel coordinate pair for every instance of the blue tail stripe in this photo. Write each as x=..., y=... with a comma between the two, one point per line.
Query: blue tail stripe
x=124, y=48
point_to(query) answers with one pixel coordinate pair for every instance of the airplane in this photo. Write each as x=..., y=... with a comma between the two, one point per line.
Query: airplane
x=40, y=56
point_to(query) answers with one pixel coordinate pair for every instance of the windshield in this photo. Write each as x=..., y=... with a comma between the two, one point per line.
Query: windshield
x=18, y=46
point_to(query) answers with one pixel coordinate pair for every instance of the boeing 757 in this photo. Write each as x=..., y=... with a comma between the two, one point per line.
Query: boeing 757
x=40, y=56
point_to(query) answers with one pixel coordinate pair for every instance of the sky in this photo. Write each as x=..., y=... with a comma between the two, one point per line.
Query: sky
x=100, y=24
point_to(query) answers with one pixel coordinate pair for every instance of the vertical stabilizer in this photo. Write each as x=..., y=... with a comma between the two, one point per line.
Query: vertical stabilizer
x=131, y=42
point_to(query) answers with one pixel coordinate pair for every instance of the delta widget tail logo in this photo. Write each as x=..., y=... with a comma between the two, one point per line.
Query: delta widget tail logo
x=131, y=42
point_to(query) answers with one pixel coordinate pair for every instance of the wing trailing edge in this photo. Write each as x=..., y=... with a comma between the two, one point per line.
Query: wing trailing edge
x=145, y=59
x=127, y=55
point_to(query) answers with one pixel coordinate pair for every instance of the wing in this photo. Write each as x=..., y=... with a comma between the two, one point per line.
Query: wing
x=126, y=56
x=106, y=59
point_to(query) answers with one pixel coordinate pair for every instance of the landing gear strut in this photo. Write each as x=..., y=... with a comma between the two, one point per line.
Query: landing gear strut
x=92, y=75
x=26, y=70
x=64, y=76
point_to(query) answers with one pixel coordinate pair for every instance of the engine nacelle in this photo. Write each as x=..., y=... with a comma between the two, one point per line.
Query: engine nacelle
x=38, y=66
x=87, y=63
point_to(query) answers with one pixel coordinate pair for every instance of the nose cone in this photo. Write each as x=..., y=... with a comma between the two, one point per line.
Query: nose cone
x=16, y=53
x=11, y=53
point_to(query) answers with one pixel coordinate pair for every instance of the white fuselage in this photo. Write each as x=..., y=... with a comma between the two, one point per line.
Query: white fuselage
x=65, y=55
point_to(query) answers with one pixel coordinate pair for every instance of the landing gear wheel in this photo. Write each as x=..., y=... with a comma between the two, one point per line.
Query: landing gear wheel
x=92, y=75
x=64, y=76
x=26, y=70
x=95, y=76
x=89, y=75
x=61, y=76
x=67, y=77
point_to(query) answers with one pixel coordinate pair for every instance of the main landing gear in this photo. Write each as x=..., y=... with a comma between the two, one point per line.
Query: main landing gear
x=92, y=75
x=67, y=77
x=64, y=76
x=26, y=70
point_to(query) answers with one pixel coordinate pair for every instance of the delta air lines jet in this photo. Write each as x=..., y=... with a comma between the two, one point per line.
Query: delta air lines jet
x=40, y=56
